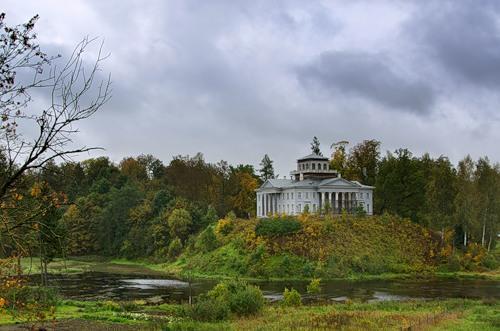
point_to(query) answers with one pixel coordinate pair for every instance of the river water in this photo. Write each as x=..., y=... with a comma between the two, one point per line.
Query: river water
x=109, y=286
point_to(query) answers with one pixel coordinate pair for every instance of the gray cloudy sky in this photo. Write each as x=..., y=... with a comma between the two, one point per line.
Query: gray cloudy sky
x=237, y=79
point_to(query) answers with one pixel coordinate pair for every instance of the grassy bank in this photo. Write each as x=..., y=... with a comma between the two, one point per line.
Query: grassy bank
x=345, y=247
x=75, y=265
x=433, y=315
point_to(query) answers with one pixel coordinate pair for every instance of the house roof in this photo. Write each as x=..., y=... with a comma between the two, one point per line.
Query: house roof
x=313, y=156
x=312, y=183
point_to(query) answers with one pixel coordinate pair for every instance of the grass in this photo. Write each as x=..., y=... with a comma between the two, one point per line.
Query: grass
x=455, y=314
x=75, y=265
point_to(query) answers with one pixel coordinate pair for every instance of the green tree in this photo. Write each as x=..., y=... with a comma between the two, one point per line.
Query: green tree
x=338, y=159
x=179, y=224
x=465, y=209
x=440, y=191
x=488, y=192
x=267, y=169
x=400, y=185
x=362, y=162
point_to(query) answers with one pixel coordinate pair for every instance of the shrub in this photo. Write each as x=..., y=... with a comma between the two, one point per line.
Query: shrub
x=209, y=309
x=174, y=248
x=41, y=297
x=278, y=227
x=314, y=286
x=224, y=226
x=452, y=265
x=291, y=298
x=207, y=241
x=247, y=301
x=490, y=262
x=228, y=297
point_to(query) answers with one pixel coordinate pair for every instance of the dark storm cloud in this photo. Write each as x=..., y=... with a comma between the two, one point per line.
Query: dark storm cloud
x=461, y=36
x=367, y=76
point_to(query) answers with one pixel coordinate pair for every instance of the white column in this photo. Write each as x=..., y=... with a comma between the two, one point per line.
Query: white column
x=258, y=205
x=335, y=201
x=263, y=204
x=322, y=196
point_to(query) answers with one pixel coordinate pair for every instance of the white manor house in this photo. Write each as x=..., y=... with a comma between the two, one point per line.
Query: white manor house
x=315, y=185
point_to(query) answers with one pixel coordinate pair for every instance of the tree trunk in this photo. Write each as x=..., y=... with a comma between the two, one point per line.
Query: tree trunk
x=489, y=243
x=465, y=238
x=484, y=233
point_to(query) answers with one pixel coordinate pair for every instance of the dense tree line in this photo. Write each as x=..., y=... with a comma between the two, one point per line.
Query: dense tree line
x=430, y=191
x=139, y=207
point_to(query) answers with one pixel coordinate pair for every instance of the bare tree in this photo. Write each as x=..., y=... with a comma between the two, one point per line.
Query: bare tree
x=75, y=92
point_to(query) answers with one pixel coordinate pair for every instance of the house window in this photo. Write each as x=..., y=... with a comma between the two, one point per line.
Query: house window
x=314, y=207
x=307, y=195
x=361, y=195
x=324, y=166
x=313, y=166
x=307, y=166
x=292, y=195
x=319, y=166
x=299, y=195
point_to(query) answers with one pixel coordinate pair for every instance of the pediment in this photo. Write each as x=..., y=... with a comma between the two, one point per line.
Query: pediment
x=338, y=182
x=267, y=184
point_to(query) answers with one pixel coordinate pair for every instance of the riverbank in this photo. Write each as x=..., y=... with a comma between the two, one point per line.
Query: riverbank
x=75, y=265
x=434, y=315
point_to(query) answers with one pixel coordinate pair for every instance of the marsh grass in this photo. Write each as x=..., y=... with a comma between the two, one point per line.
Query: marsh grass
x=418, y=315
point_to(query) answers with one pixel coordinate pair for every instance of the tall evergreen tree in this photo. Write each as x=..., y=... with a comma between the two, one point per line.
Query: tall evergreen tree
x=267, y=169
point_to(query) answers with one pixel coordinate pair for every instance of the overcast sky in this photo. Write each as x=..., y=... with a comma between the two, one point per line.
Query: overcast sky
x=238, y=79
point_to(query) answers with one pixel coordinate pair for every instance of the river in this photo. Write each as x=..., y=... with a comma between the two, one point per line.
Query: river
x=109, y=286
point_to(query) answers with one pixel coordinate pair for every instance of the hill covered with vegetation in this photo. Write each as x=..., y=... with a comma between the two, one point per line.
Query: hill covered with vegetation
x=311, y=246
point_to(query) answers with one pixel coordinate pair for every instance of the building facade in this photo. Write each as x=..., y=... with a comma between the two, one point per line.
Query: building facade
x=315, y=185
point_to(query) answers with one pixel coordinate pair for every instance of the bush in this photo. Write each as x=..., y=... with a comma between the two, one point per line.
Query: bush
x=228, y=297
x=279, y=227
x=41, y=297
x=452, y=265
x=174, y=248
x=291, y=298
x=314, y=286
x=224, y=226
x=207, y=241
x=247, y=301
x=490, y=262
x=209, y=309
